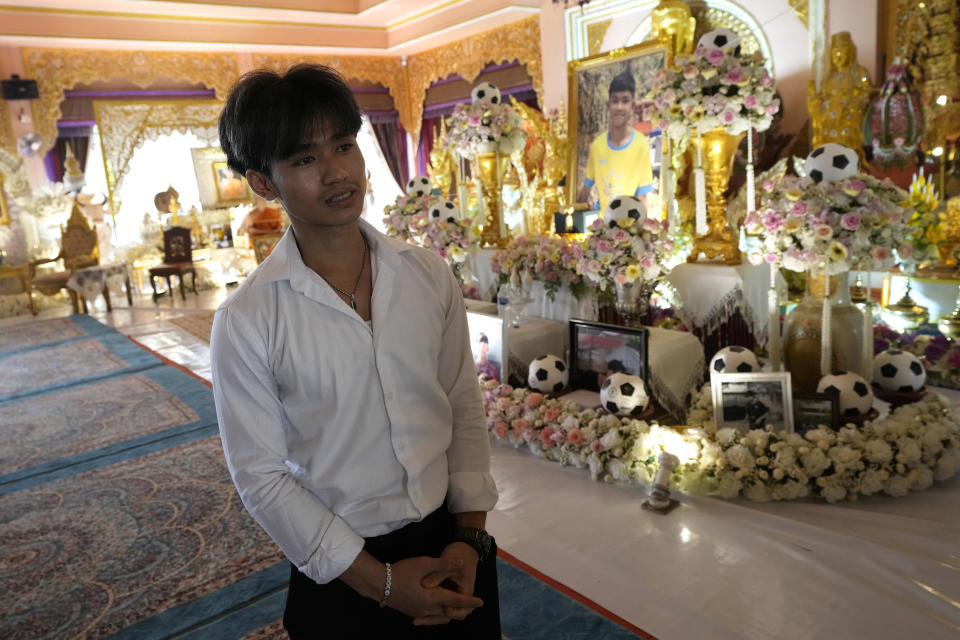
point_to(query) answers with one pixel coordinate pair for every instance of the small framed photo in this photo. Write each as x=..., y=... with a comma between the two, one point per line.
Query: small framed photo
x=810, y=410
x=598, y=350
x=746, y=401
x=231, y=186
x=486, y=343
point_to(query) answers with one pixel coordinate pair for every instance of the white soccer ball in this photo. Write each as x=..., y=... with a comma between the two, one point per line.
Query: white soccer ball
x=719, y=38
x=855, y=395
x=898, y=370
x=734, y=359
x=444, y=210
x=418, y=186
x=623, y=394
x=831, y=162
x=548, y=374
x=485, y=92
x=624, y=207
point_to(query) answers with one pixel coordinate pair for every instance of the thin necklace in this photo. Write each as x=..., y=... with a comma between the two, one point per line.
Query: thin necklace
x=352, y=294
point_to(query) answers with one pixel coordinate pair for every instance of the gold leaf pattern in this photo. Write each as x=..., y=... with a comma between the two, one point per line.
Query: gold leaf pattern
x=57, y=70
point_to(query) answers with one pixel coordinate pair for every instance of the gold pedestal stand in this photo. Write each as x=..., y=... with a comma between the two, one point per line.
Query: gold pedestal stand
x=491, y=167
x=718, y=149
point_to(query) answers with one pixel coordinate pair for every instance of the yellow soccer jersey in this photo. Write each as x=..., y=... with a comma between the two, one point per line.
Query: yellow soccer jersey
x=621, y=170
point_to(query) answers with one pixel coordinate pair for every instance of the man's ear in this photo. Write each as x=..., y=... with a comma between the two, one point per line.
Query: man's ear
x=261, y=185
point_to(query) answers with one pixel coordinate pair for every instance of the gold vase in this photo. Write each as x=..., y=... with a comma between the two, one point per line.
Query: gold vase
x=802, y=332
x=718, y=151
x=491, y=167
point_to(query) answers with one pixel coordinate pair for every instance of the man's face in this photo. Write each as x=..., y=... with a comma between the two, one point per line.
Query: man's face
x=323, y=182
x=620, y=108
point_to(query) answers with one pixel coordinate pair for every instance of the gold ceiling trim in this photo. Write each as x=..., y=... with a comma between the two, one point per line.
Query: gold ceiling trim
x=125, y=125
x=518, y=40
x=57, y=70
x=385, y=71
x=801, y=7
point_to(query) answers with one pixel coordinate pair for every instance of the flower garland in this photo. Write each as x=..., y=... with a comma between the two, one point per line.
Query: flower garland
x=483, y=126
x=623, y=251
x=855, y=222
x=714, y=88
x=907, y=451
x=550, y=259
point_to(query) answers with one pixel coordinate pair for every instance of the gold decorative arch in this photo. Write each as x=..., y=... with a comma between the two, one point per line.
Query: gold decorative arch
x=518, y=40
x=124, y=126
x=57, y=70
x=388, y=72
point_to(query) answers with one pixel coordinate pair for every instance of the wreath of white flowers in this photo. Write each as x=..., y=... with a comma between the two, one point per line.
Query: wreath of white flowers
x=908, y=450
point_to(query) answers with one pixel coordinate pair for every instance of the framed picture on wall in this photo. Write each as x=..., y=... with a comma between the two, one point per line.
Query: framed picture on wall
x=231, y=186
x=746, y=401
x=595, y=110
x=487, y=344
x=598, y=350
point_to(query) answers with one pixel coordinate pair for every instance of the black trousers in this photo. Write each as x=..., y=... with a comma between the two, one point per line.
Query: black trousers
x=334, y=611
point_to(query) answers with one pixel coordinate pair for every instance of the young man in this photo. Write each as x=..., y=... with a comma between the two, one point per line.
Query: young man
x=349, y=408
x=619, y=159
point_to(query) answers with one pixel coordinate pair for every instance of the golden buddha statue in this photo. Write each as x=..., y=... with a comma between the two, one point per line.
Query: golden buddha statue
x=673, y=24
x=837, y=110
x=442, y=167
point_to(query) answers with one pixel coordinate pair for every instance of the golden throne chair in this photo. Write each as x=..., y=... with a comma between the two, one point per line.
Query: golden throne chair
x=78, y=249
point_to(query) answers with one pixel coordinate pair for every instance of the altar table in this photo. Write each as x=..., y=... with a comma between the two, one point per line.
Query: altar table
x=91, y=282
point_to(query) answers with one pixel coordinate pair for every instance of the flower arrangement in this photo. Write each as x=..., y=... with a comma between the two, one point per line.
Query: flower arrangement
x=855, y=222
x=484, y=126
x=406, y=218
x=550, y=259
x=714, y=88
x=907, y=451
x=623, y=251
x=926, y=231
x=940, y=355
x=452, y=238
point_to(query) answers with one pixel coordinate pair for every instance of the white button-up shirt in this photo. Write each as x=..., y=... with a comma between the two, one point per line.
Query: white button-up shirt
x=335, y=429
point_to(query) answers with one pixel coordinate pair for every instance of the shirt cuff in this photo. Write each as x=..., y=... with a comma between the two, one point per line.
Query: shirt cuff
x=339, y=547
x=471, y=491
x=645, y=189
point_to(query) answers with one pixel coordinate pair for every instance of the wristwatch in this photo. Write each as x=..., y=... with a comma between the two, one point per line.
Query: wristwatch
x=479, y=539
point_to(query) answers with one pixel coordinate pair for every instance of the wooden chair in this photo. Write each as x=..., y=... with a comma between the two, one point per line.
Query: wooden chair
x=78, y=249
x=177, y=261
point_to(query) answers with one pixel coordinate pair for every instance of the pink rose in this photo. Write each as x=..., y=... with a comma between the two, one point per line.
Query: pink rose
x=505, y=390
x=551, y=414
x=752, y=221
x=881, y=254
x=575, y=436
x=474, y=121
x=650, y=224
x=716, y=56
x=558, y=438
x=850, y=221
x=534, y=399
x=504, y=403
x=773, y=107
x=824, y=231
x=546, y=434
x=728, y=116
x=905, y=250
x=690, y=71
x=500, y=429
x=596, y=446
x=800, y=208
x=771, y=258
x=514, y=410
x=620, y=278
x=750, y=102
x=520, y=425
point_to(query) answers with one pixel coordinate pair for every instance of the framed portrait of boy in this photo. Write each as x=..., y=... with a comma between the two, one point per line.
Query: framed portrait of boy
x=612, y=154
x=487, y=344
x=598, y=350
x=747, y=401
x=810, y=410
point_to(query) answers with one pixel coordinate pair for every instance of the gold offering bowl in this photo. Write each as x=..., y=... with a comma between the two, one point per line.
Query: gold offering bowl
x=905, y=314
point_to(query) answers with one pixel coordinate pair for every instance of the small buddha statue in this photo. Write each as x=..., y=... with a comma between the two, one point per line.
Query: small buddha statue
x=837, y=110
x=442, y=167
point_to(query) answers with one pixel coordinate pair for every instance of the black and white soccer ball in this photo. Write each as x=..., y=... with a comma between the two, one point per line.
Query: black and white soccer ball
x=418, y=186
x=485, y=92
x=831, y=162
x=855, y=395
x=624, y=207
x=719, y=38
x=898, y=370
x=623, y=394
x=547, y=374
x=734, y=359
x=444, y=210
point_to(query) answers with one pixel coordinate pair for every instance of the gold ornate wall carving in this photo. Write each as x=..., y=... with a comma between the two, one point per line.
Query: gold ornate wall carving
x=801, y=7
x=124, y=127
x=7, y=143
x=518, y=40
x=57, y=70
x=388, y=72
x=596, y=32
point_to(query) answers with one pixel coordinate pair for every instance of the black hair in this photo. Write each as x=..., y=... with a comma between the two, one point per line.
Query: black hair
x=268, y=116
x=623, y=82
x=483, y=338
x=616, y=366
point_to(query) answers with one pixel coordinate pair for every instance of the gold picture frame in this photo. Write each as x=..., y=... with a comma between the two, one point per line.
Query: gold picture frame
x=231, y=187
x=4, y=208
x=589, y=81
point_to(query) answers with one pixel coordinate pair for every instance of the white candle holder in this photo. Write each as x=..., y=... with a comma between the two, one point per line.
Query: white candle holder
x=659, y=499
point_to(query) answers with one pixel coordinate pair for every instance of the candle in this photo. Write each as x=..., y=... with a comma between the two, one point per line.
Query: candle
x=825, y=346
x=751, y=187
x=773, y=303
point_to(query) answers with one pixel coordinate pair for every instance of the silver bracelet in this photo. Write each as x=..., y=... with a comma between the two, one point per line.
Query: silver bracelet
x=386, y=586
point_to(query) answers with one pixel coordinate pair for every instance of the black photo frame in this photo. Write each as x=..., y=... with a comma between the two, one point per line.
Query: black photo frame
x=595, y=345
x=813, y=409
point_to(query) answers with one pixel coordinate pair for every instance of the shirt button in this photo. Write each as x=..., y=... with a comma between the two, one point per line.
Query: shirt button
x=401, y=446
x=390, y=396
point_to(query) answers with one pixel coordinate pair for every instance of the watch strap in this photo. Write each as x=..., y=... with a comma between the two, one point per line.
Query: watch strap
x=476, y=538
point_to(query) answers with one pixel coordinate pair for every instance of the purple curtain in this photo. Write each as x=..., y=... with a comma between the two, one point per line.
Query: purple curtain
x=393, y=142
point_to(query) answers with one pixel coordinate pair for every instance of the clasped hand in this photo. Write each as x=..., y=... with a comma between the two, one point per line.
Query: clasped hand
x=436, y=590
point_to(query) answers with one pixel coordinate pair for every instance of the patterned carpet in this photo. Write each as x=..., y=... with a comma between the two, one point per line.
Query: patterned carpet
x=196, y=324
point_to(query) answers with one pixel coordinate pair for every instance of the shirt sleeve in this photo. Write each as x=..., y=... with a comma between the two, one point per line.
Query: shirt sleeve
x=471, y=486
x=251, y=421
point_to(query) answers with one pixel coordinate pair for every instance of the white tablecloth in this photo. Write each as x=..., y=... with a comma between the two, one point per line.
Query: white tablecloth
x=90, y=281
x=879, y=568
x=710, y=293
